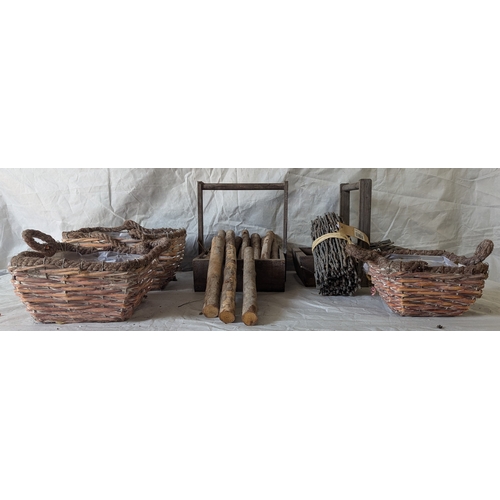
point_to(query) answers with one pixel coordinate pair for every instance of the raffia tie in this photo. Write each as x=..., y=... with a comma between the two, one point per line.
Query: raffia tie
x=345, y=232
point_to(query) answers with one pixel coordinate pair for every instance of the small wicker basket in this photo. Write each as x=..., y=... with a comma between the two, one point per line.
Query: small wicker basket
x=63, y=283
x=413, y=288
x=132, y=235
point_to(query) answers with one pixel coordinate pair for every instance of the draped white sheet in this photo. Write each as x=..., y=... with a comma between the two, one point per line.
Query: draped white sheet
x=451, y=209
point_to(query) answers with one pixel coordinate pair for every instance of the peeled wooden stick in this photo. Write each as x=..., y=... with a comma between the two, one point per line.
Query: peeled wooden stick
x=214, y=276
x=267, y=244
x=228, y=294
x=245, y=237
x=255, y=239
x=274, y=249
x=249, y=288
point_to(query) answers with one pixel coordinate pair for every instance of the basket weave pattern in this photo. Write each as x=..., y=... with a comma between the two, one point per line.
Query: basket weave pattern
x=57, y=290
x=138, y=239
x=415, y=289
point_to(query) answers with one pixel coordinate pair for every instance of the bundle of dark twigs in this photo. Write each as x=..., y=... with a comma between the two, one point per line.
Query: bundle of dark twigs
x=334, y=270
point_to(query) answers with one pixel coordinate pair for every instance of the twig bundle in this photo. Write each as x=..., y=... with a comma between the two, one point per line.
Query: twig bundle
x=334, y=270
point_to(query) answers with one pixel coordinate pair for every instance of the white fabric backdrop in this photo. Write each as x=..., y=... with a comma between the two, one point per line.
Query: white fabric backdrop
x=452, y=209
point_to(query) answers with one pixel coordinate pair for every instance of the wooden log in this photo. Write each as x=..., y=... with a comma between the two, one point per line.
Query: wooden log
x=267, y=244
x=238, y=241
x=245, y=236
x=214, y=277
x=249, y=288
x=255, y=240
x=228, y=294
x=274, y=249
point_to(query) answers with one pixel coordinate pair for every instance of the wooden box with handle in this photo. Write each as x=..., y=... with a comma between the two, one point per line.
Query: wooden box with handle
x=270, y=272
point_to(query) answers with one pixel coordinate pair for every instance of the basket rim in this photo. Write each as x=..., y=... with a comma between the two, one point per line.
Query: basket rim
x=133, y=228
x=468, y=265
x=39, y=260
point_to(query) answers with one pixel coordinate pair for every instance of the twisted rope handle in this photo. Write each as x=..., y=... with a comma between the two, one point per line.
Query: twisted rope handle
x=48, y=248
x=482, y=251
x=142, y=233
x=135, y=230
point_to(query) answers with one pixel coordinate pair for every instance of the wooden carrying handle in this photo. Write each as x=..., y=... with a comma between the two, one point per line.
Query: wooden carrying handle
x=49, y=246
x=221, y=186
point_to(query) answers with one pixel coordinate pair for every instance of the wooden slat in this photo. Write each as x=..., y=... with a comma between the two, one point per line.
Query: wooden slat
x=201, y=245
x=365, y=208
x=227, y=186
x=345, y=203
x=365, y=203
x=346, y=187
x=205, y=186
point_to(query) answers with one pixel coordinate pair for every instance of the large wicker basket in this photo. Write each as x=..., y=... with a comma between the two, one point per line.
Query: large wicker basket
x=63, y=283
x=132, y=235
x=413, y=288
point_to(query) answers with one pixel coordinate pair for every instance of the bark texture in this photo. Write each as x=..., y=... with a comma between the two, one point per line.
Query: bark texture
x=214, y=277
x=267, y=244
x=249, y=315
x=228, y=294
x=256, y=245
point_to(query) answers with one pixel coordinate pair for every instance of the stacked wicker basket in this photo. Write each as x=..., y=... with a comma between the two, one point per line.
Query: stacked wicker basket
x=132, y=235
x=75, y=281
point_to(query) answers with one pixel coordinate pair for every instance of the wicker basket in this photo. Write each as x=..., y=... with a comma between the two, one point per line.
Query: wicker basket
x=56, y=288
x=132, y=235
x=413, y=288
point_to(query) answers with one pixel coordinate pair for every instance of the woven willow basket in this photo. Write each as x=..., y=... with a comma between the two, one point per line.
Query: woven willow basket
x=132, y=235
x=58, y=289
x=413, y=288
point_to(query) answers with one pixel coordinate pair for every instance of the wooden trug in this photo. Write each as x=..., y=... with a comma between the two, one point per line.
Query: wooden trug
x=270, y=273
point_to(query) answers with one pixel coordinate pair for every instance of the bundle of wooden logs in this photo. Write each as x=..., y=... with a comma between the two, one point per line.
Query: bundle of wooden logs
x=334, y=270
x=220, y=293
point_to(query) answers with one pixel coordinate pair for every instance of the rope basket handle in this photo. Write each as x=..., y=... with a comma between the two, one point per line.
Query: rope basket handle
x=139, y=232
x=483, y=250
x=98, y=229
x=135, y=230
x=49, y=246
